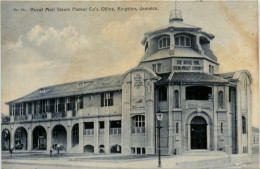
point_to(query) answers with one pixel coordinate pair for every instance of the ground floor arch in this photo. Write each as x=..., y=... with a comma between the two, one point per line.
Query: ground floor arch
x=6, y=139
x=39, y=138
x=59, y=137
x=198, y=133
x=88, y=149
x=20, y=139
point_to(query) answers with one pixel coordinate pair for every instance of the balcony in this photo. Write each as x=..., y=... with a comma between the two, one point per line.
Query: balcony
x=136, y=130
x=115, y=131
x=203, y=104
x=20, y=118
x=40, y=116
x=88, y=132
x=101, y=132
x=58, y=115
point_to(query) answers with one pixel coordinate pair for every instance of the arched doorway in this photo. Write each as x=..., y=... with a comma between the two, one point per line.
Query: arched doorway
x=39, y=138
x=59, y=137
x=20, y=139
x=198, y=133
x=5, y=139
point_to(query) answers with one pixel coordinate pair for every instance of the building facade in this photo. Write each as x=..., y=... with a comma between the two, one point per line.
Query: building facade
x=177, y=76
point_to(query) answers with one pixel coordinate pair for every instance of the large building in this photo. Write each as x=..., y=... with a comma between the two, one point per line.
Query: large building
x=177, y=76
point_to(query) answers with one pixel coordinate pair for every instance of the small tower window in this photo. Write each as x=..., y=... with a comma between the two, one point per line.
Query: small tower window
x=164, y=42
x=176, y=99
x=182, y=41
x=146, y=46
x=243, y=125
x=220, y=100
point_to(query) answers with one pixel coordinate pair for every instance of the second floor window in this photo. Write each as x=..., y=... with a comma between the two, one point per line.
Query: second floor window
x=106, y=99
x=164, y=42
x=182, y=41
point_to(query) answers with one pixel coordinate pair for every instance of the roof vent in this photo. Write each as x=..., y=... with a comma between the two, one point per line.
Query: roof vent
x=175, y=15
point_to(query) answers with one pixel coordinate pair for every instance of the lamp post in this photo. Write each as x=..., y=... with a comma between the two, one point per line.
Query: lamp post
x=159, y=118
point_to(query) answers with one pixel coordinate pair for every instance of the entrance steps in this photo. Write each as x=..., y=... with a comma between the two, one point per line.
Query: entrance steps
x=203, y=159
x=204, y=153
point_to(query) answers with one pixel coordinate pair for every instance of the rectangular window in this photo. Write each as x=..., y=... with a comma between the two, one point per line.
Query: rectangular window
x=107, y=99
x=79, y=102
x=132, y=150
x=138, y=150
x=115, y=127
x=159, y=67
x=89, y=128
x=101, y=125
x=221, y=128
x=179, y=62
x=154, y=67
x=177, y=128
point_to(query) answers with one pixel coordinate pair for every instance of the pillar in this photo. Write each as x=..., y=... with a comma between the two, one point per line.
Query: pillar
x=215, y=118
x=29, y=141
x=106, y=136
x=96, y=146
x=149, y=118
x=68, y=128
x=81, y=136
x=229, y=121
x=170, y=107
x=184, y=139
x=239, y=120
x=49, y=137
x=126, y=125
x=172, y=44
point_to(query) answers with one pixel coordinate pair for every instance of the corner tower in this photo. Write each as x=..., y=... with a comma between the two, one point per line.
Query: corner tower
x=178, y=47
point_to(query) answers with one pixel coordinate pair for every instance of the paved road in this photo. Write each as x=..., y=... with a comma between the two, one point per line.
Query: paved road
x=42, y=161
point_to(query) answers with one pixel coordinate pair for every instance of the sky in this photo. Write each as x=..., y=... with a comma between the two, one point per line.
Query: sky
x=48, y=48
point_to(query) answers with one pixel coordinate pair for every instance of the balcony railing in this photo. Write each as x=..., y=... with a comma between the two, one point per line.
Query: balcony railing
x=203, y=104
x=115, y=131
x=40, y=116
x=57, y=115
x=101, y=132
x=20, y=118
x=89, y=132
x=138, y=130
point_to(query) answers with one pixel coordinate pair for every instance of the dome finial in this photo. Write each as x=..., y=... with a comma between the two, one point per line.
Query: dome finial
x=175, y=15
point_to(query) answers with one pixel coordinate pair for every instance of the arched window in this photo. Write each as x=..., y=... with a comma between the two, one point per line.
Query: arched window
x=220, y=100
x=164, y=42
x=243, y=125
x=182, y=41
x=138, y=124
x=176, y=99
x=162, y=93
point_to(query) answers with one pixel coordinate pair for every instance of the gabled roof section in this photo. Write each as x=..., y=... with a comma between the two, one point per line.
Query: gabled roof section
x=103, y=84
x=191, y=77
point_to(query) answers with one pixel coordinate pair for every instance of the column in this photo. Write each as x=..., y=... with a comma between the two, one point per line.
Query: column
x=184, y=139
x=215, y=118
x=126, y=129
x=229, y=127
x=249, y=119
x=68, y=128
x=81, y=136
x=49, y=138
x=239, y=120
x=29, y=141
x=170, y=107
x=149, y=119
x=12, y=137
x=96, y=147
x=106, y=136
